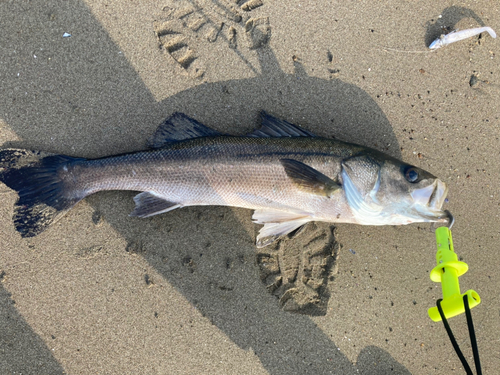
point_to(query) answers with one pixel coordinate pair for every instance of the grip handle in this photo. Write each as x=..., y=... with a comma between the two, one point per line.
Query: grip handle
x=447, y=272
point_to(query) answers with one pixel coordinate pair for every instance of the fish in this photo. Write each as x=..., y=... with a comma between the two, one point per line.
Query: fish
x=456, y=35
x=285, y=173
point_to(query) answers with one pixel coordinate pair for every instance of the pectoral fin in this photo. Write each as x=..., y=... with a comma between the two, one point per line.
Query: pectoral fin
x=309, y=179
x=148, y=204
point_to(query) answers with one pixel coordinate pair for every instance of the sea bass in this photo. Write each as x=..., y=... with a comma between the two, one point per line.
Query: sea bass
x=285, y=173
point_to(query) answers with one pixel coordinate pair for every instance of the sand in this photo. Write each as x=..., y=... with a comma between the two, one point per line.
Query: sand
x=187, y=292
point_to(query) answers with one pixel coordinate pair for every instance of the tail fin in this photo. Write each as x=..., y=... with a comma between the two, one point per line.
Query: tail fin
x=44, y=197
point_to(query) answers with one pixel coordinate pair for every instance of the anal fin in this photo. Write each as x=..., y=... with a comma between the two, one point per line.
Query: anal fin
x=149, y=204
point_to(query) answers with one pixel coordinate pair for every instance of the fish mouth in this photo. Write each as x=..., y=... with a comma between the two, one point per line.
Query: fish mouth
x=431, y=199
x=438, y=196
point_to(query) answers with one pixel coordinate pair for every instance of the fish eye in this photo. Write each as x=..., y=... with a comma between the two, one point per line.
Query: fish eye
x=411, y=175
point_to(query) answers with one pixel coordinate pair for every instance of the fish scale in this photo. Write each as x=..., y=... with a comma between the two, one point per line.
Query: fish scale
x=214, y=171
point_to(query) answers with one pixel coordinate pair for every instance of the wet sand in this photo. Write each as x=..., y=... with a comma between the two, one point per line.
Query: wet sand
x=187, y=292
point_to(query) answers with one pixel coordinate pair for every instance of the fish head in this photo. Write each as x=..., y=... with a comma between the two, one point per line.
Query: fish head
x=438, y=42
x=382, y=190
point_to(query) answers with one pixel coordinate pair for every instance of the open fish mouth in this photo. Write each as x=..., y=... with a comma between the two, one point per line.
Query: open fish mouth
x=431, y=200
x=438, y=196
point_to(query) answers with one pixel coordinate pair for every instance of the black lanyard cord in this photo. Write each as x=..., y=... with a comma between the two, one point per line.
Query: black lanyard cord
x=471, y=334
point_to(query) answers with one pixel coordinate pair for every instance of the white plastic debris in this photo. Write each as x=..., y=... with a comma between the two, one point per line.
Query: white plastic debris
x=66, y=35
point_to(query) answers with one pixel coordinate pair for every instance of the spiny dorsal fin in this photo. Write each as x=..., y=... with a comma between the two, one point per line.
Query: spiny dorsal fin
x=309, y=179
x=273, y=127
x=179, y=127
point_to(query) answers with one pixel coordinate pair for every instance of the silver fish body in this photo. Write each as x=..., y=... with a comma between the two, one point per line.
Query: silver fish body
x=284, y=173
x=456, y=36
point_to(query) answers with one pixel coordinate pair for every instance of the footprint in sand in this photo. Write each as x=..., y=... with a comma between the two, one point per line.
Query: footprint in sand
x=297, y=270
x=185, y=25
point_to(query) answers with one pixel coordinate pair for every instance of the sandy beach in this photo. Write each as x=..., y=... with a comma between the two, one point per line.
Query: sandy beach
x=188, y=292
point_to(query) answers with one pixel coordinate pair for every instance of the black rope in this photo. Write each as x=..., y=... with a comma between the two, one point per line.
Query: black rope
x=452, y=339
x=472, y=335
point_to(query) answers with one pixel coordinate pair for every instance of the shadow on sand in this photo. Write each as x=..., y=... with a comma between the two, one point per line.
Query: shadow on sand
x=22, y=351
x=447, y=22
x=83, y=102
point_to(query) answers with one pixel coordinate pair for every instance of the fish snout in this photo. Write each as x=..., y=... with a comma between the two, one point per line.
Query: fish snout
x=437, y=43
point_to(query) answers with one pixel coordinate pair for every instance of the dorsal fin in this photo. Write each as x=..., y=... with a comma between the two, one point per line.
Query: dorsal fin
x=179, y=127
x=273, y=127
